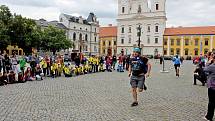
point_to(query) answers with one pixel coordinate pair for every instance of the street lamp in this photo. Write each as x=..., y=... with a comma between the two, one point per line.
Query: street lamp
x=163, y=60
x=139, y=35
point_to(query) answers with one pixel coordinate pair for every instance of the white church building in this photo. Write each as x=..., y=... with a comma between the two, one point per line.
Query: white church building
x=150, y=15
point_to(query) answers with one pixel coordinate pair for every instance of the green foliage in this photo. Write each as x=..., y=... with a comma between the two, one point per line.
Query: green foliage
x=16, y=30
x=54, y=39
x=5, y=20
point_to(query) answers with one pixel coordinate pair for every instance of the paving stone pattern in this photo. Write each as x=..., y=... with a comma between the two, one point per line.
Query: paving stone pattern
x=106, y=97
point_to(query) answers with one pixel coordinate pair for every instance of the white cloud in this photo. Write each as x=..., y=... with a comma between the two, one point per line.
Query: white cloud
x=179, y=12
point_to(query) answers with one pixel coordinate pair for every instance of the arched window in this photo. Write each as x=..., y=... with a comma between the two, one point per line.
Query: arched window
x=74, y=36
x=139, y=9
x=186, y=51
x=196, y=51
x=80, y=36
x=86, y=37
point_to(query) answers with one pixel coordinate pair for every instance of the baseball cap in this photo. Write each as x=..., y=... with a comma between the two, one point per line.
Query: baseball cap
x=136, y=50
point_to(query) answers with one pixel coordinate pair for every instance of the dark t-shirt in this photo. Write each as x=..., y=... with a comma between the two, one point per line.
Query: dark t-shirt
x=201, y=73
x=139, y=65
x=114, y=59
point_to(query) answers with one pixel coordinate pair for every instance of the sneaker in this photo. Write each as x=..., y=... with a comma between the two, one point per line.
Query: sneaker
x=206, y=119
x=145, y=87
x=134, y=104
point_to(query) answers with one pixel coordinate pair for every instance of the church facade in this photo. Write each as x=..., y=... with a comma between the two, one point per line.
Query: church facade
x=143, y=20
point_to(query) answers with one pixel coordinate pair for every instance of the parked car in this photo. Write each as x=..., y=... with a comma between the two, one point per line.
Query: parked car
x=168, y=57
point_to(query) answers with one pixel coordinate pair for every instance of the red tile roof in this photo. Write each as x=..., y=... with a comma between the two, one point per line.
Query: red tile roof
x=108, y=31
x=204, y=30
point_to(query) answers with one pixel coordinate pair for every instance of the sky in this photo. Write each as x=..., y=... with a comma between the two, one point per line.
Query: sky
x=179, y=12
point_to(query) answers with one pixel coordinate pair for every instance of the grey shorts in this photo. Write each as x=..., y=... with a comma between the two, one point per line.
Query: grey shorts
x=137, y=81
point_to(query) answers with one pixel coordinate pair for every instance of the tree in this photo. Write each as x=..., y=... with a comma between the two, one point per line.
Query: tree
x=24, y=33
x=5, y=21
x=54, y=39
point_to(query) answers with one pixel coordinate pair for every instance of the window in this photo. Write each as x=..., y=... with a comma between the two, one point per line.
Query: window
x=206, y=42
x=165, y=52
x=178, y=51
x=156, y=28
x=103, y=43
x=178, y=42
x=157, y=6
x=129, y=41
x=172, y=51
x=129, y=29
x=165, y=42
x=148, y=39
x=104, y=51
x=149, y=29
x=186, y=51
x=186, y=42
x=122, y=41
x=172, y=42
x=74, y=36
x=95, y=49
x=95, y=29
x=139, y=9
x=61, y=19
x=196, y=52
x=80, y=37
x=95, y=39
x=109, y=43
x=123, y=30
x=156, y=40
x=205, y=51
x=86, y=37
x=114, y=42
x=86, y=48
x=123, y=9
x=196, y=42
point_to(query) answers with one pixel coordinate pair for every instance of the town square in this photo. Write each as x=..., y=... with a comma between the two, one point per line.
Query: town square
x=114, y=60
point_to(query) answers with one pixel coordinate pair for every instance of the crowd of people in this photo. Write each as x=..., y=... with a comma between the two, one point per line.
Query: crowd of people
x=14, y=69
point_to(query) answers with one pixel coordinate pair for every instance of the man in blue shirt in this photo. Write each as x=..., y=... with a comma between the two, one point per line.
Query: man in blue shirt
x=177, y=63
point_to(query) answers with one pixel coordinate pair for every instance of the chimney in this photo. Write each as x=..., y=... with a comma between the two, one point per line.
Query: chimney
x=110, y=25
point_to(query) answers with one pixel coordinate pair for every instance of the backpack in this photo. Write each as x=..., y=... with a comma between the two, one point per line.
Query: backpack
x=138, y=66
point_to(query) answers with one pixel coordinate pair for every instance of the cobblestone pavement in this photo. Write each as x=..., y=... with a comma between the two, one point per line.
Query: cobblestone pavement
x=106, y=97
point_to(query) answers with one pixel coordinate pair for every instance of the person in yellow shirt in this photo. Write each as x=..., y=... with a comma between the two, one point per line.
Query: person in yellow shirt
x=96, y=64
x=67, y=71
x=76, y=71
x=54, y=67
x=59, y=69
x=91, y=63
x=44, y=66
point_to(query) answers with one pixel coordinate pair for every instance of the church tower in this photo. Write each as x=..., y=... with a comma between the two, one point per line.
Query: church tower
x=150, y=15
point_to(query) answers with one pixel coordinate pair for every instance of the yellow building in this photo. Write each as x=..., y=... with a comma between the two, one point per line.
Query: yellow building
x=14, y=50
x=108, y=40
x=189, y=41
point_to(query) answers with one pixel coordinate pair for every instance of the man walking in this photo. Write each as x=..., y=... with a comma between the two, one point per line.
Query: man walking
x=177, y=64
x=139, y=68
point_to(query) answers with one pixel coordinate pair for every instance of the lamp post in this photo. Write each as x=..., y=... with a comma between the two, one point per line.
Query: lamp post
x=139, y=35
x=163, y=60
